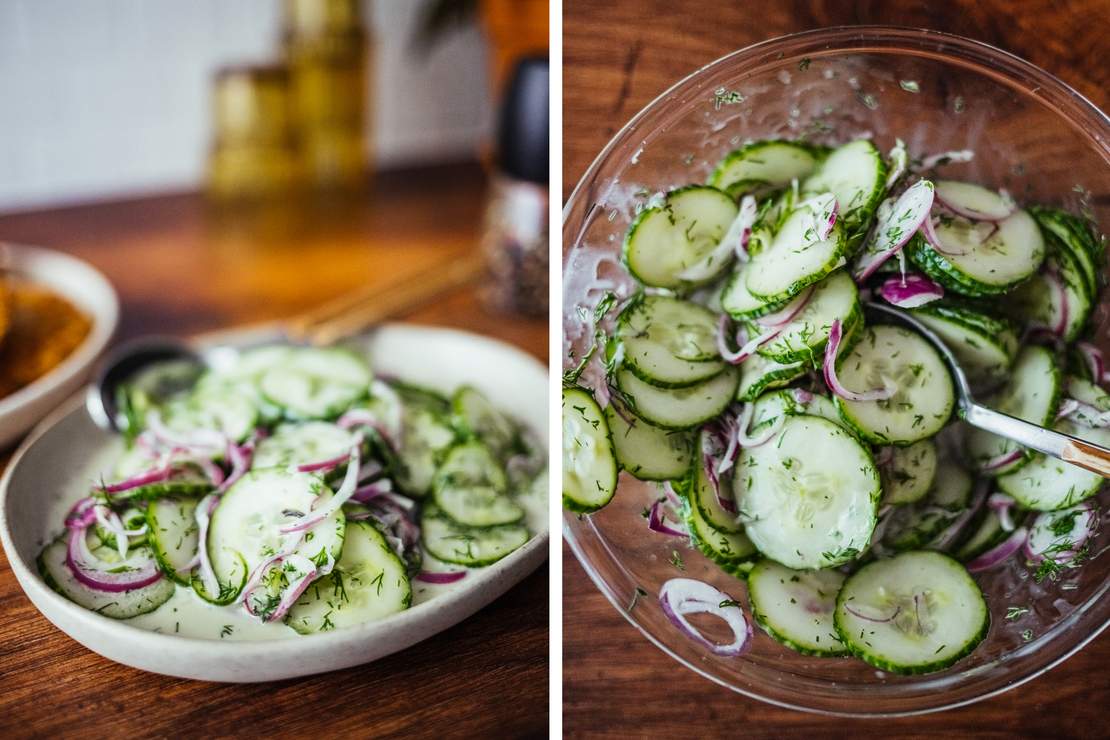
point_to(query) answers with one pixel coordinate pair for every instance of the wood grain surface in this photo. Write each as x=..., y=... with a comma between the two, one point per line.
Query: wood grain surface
x=617, y=56
x=179, y=270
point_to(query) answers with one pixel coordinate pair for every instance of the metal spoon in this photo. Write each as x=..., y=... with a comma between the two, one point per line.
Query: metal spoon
x=1057, y=444
x=339, y=319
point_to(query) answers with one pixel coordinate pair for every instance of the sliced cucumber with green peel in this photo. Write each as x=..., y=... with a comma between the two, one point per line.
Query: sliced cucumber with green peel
x=1076, y=235
x=680, y=408
x=666, y=239
x=795, y=607
x=917, y=612
x=1047, y=483
x=478, y=417
x=1032, y=394
x=912, y=527
x=312, y=383
x=589, y=465
x=764, y=165
x=704, y=497
x=425, y=436
x=985, y=346
x=645, y=451
x=174, y=536
x=805, y=337
x=855, y=174
x=245, y=526
x=451, y=542
x=669, y=342
x=909, y=473
x=291, y=445
x=924, y=395
x=1056, y=298
x=733, y=551
x=225, y=411
x=808, y=497
x=471, y=488
x=368, y=583
x=985, y=531
x=123, y=605
x=794, y=259
x=978, y=260
x=759, y=374
x=738, y=302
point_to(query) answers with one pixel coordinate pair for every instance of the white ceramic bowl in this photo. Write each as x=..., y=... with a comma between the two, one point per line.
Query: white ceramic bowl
x=42, y=472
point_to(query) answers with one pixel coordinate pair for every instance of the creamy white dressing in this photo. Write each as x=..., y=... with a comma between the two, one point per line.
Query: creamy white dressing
x=187, y=615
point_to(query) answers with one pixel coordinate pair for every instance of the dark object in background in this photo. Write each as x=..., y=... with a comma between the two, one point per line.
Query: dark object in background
x=515, y=238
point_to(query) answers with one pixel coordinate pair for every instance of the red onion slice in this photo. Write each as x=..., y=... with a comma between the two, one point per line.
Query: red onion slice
x=293, y=592
x=824, y=209
x=735, y=241
x=370, y=491
x=1084, y=413
x=747, y=440
x=1096, y=363
x=206, y=442
x=1052, y=277
x=910, y=291
x=682, y=596
x=892, y=233
x=748, y=349
x=899, y=160
x=146, y=478
x=94, y=573
x=350, y=483
x=672, y=497
x=657, y=521
x=942, y=158
x=787, y=313
x=1001, y=461
x=440, y=578
x=366, y=418
x=241, y=457
x=203, y=514
x=831, y=380
x=329, y=464
x=1001, y=504
x=1001, y=553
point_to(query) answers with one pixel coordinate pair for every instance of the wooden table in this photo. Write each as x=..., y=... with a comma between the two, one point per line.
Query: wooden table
x=617, y=56
x=179, y=271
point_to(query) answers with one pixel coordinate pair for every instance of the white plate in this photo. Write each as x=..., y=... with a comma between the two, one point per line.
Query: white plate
x=79, y=283
x=42, y=472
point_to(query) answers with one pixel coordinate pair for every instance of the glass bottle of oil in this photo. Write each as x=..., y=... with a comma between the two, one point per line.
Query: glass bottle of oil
x=327, y=52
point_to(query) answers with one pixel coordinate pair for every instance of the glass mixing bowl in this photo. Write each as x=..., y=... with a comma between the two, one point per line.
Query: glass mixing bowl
x=1031, y=134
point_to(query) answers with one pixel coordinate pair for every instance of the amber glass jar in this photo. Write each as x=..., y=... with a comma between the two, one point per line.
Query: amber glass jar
x=327, y=50
x=254, y=150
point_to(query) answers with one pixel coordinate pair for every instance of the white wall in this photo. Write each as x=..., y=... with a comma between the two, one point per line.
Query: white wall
x=102, y=98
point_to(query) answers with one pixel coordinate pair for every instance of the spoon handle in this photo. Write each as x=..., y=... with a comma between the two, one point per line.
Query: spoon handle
x=1057, y=444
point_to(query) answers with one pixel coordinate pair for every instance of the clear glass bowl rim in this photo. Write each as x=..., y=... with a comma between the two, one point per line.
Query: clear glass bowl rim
x=1008, y=69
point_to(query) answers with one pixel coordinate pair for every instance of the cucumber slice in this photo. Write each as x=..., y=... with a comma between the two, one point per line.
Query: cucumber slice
x=124, y=605
x=1075, y=233
x=479, y=418
x=132, y=518
x=985, y=346
x=704, y=498
x=187, y=481
x=733, y=551
x=913, y=527
x=805, y=337
x=645, y=451
x=174, y=536
x=669, y=342
x=451, y=542
x=909, y=474
x=1061, y=534
x=316, y=383
x=680, y=408
x=978, y=261
x=666, y=239
x=976, y=200
x=245, y=525
x=155, y=386
x=739, y=303
x=368, y=583
x=763, y=165
x=425, y=435
x=1040, y=302
x=470, y=487
x=228, y=590
x=224, y=411
x=1086, y=392
x=795, y=607
x=1047, y=483
x=794, y=259
x=809, y=495
x=589, y=465
x=759, y=374
x=936, y=612
x=925, y=395
x=298, y=444
x=985, y=531
x=1032, y=394
x=856, y=176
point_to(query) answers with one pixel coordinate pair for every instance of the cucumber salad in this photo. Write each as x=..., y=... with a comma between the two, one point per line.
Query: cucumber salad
x=812, y=452
x=287, y=490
